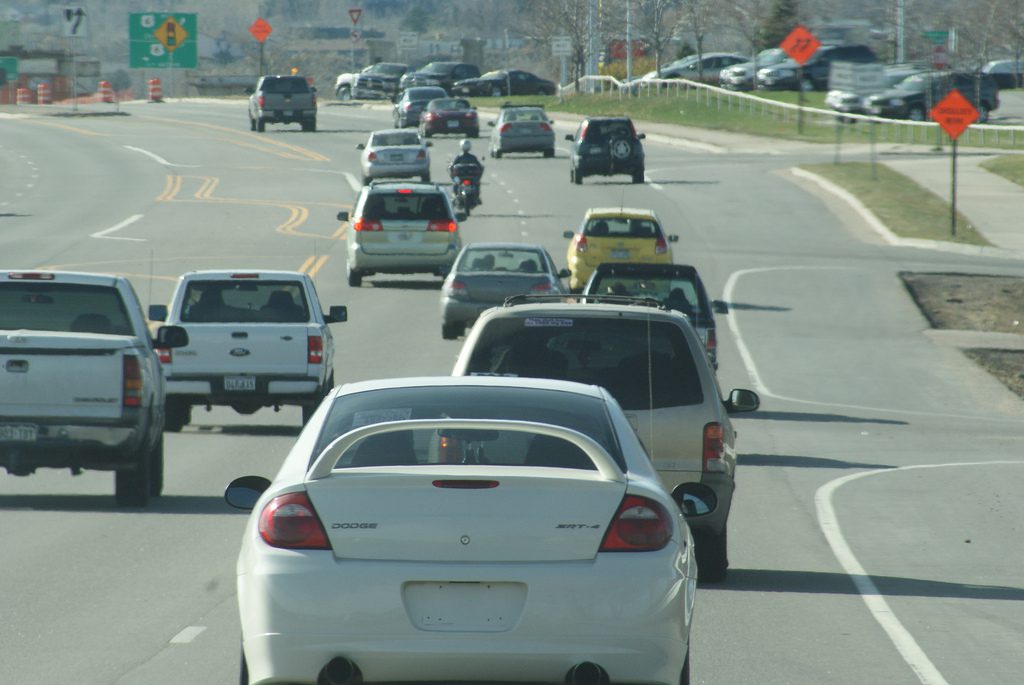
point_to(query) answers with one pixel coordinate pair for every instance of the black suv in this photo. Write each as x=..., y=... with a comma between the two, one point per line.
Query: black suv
x=784, y=75
x=913, y=97
x=443, y=74
x=603, y=146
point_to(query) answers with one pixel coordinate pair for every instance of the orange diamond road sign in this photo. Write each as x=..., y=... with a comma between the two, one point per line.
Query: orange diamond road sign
x=954, y=114
x=800, y=44
x=260, y=29
x=171, y=34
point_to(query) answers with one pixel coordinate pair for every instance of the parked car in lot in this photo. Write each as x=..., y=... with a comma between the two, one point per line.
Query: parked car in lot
x=741, y=76
x=394, y=153
x=652, y=362
x=676, y=286
x=615, y=234
x=504, y=82
x=443, y=116
x=787, y=74
x=80, y=380
x=1006, y=72
x=706, y=69
x=848, y=102
x=401, y=227
x=377, y=81
x=256, y=339
x=282, y=100
x=443, y=529
x=441, y=74
x=411, y=103
x=485, y=274
x=605, y=146
x=913, y=97
x=521, y=128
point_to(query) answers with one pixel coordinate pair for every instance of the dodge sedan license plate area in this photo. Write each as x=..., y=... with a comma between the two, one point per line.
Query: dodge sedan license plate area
x=465, y=606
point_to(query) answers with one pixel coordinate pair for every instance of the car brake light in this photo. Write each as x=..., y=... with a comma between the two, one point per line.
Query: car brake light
x=247, y=275
x=711, y=344
x=660, y=246
x=505, y=128
x=404, y=191
x=457, y=288
x=467, y=182
x=545, y=127
x=291, y=522
x=314, y=349
x=583, y=130
x=442, y=226
x=471, y=115
x=466, y=484
x=429, y=116
x=545, y=287
x=261, y=101
x=164, y=354
x=367, y=225
x=581, y=242
x=131, y=376
x=30, y=276
x=714, y=448
x=372, y=157
x=640, y=525
x=407, y=106
x=422, y=154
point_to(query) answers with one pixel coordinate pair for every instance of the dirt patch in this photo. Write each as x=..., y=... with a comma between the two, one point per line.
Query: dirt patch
x=972, y=302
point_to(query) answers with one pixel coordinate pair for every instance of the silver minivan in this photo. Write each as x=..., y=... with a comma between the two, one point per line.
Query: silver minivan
x=653, y=363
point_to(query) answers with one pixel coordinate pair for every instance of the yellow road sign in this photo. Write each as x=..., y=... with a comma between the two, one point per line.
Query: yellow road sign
x=171, y=34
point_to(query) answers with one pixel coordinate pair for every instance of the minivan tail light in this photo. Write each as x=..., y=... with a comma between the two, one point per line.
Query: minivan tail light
x=131, y=376
x=714, y=448
x=660, y=246
x=367, y=225
x=711, y=344
x=289, y=521
x=639, y=525
x=442, y=226
x=314, y=349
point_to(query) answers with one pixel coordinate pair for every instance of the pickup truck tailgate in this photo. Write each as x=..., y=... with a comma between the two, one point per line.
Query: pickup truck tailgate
x=249, y=348
x=61, y=375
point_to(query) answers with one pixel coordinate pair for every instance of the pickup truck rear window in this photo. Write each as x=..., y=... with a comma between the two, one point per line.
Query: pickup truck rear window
x=243, y=301
x=643, y=364
x=285, y=86
x=63, y=307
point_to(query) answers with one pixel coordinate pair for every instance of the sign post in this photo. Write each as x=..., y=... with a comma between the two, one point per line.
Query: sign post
x=800, y=45
x=74, y=26
x=561, y=47
x=261, y=30
x=954, y=114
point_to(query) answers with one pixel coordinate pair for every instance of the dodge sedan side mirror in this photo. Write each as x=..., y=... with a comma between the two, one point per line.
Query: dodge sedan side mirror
x=243, y=493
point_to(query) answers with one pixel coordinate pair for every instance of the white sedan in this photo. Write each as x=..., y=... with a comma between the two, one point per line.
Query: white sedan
x=394, y=153
x=466, y=529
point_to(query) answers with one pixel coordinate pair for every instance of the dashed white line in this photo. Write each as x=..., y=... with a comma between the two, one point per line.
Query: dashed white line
x=127, y=222
x=353, y=182
x=187, y=635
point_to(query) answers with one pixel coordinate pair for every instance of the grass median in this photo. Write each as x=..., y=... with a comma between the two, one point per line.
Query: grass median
x=1010, y=167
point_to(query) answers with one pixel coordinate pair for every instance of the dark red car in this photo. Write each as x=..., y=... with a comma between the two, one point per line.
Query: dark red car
x=449, y=115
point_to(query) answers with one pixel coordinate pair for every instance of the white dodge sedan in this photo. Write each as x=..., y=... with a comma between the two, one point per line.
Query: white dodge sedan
x=466, y=529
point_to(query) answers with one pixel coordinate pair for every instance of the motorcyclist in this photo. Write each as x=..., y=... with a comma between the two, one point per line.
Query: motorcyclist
x=468, y=158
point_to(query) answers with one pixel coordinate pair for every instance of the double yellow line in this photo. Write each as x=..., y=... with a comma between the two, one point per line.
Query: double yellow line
x=313, y=265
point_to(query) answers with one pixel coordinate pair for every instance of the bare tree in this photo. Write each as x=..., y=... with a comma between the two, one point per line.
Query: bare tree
x=566, y=18
x=654, y=20
x=749, y=18
x=699, y=16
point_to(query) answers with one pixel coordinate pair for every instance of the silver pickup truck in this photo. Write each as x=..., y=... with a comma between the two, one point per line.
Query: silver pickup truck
x=80, y=381
x=256, y=339
x=282, y=100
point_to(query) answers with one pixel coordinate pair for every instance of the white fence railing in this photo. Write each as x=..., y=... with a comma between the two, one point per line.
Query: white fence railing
x=892, y=130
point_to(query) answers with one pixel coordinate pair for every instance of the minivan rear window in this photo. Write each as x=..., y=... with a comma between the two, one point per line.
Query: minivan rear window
x=644, y=364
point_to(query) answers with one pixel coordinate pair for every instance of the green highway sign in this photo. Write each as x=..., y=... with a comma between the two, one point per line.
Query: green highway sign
x=936, y=37
x=163, y=40
x=10, y=67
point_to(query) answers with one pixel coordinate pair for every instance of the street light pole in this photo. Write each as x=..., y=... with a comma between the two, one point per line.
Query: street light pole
x=629, y=43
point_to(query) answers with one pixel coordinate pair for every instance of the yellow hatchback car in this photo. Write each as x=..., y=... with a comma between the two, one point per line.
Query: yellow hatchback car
x=615, y=234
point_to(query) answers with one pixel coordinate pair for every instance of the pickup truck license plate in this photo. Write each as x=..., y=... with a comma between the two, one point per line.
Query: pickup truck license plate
x=287, y=113
x=620, y=254
x=239, y=383
x=18, y=432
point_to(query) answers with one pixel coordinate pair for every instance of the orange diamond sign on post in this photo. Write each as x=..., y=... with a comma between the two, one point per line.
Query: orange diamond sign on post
x=800, y=44
x=260, y=29
x=954, y=114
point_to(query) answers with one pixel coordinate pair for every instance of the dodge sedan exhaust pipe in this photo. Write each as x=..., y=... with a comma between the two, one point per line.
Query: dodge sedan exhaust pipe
x=339, y=671
x=587, y=673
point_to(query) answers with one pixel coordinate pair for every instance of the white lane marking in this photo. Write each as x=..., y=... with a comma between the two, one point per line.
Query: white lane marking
x=187, y=635
x=652, y=184
x=127, y=222
x=353, y=182
x=762, y=387
x=157, y=158
x=905, y=643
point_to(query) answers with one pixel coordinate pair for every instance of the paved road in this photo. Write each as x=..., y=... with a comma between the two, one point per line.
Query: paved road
x=875, y=535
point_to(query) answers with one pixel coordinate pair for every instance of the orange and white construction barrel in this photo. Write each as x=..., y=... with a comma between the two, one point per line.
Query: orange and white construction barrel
x=43, y=94
x=156, y=90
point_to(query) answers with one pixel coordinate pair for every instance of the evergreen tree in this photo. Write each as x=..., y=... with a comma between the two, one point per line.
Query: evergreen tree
x=784, y=17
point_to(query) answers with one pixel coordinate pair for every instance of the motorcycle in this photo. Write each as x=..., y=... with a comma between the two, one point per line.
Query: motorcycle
x=466, y=186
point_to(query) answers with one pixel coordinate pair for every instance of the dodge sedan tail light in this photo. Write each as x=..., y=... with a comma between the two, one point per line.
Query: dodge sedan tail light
x=640, y=525
x=291, y=522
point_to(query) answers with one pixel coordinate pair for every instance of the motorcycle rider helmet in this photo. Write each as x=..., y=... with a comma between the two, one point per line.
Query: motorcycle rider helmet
x=465, y=145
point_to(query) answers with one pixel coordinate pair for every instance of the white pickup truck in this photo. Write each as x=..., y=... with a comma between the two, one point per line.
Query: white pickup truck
x=256, y=339
x=80, y=382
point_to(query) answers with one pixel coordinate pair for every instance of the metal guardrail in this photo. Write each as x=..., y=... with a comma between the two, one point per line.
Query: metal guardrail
x=901, y=130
